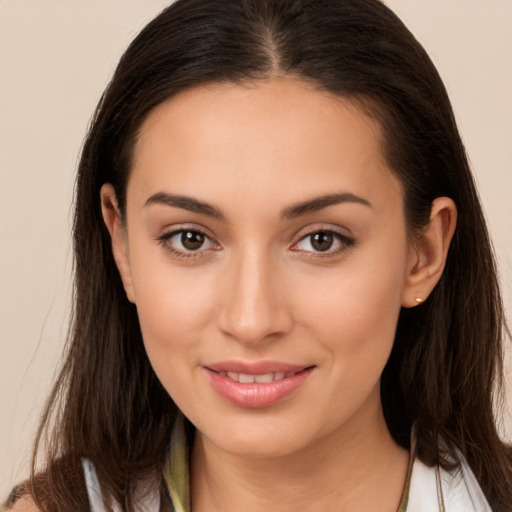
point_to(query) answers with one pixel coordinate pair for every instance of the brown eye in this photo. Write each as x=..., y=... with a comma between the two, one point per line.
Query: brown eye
x=187, y=243
x=322, y=241
x=192, y=240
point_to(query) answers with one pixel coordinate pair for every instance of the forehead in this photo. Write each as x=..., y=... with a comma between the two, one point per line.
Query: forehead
x=278, y=138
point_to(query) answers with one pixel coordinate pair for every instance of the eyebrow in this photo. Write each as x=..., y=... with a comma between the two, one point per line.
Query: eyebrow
x=321, y=202
x=303, y=208
x=186, y=203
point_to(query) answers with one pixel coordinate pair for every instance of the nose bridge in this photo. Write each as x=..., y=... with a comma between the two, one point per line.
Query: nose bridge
x=252, y=308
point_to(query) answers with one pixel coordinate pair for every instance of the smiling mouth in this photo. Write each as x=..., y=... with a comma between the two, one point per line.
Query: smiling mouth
x=246, y=378
x=257, y=389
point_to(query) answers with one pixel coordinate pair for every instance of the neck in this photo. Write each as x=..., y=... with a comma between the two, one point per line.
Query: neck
x=358, y=467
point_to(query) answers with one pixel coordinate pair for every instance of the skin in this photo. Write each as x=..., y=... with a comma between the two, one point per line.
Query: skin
x=258, y=290
x=25, y=504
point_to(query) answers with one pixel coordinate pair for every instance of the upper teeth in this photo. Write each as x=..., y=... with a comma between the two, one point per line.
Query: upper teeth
x=246, y=378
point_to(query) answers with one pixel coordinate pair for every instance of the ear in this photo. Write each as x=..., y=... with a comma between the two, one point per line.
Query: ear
x=112, y=219
x=427, y=257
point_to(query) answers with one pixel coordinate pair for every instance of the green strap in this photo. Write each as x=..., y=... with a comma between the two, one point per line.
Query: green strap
x=177, y=471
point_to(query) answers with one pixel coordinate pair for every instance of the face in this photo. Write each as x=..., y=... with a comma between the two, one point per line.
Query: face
x=266, y=250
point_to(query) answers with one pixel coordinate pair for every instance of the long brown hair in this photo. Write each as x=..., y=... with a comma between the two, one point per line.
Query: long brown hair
x=446, y=364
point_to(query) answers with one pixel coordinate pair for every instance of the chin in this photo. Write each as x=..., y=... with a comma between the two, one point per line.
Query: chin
x=259, y=436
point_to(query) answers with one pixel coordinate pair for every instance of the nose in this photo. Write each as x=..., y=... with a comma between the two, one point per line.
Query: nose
x=253, y=306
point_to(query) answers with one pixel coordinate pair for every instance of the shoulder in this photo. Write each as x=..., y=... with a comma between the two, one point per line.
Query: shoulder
x=23, y=504
x=433, y=488
x=19, y=500
x=462, y=487
x=62, y=483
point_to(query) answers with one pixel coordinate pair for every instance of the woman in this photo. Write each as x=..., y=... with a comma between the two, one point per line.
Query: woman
x=278, y=238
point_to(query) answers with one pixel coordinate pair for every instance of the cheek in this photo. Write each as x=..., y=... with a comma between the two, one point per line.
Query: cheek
x=362, y=294
x=353, y=309
x=351, y=316
x=173, y=304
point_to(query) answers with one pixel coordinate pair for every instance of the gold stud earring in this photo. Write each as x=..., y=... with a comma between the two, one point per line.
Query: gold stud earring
x=419, y=300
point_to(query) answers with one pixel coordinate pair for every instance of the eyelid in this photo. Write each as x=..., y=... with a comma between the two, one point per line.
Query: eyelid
x=164, y=241
x=172, y=229
x=344, y=239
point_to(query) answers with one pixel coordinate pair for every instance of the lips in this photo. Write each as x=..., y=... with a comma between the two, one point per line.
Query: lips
x=246, y=378
x=256, y=368
x=256, y=385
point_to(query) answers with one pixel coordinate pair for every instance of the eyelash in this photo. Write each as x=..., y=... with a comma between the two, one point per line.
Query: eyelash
x=165, y=241
x=344, y=242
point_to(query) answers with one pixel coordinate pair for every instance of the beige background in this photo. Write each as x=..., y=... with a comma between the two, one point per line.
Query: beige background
x=55, y=58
